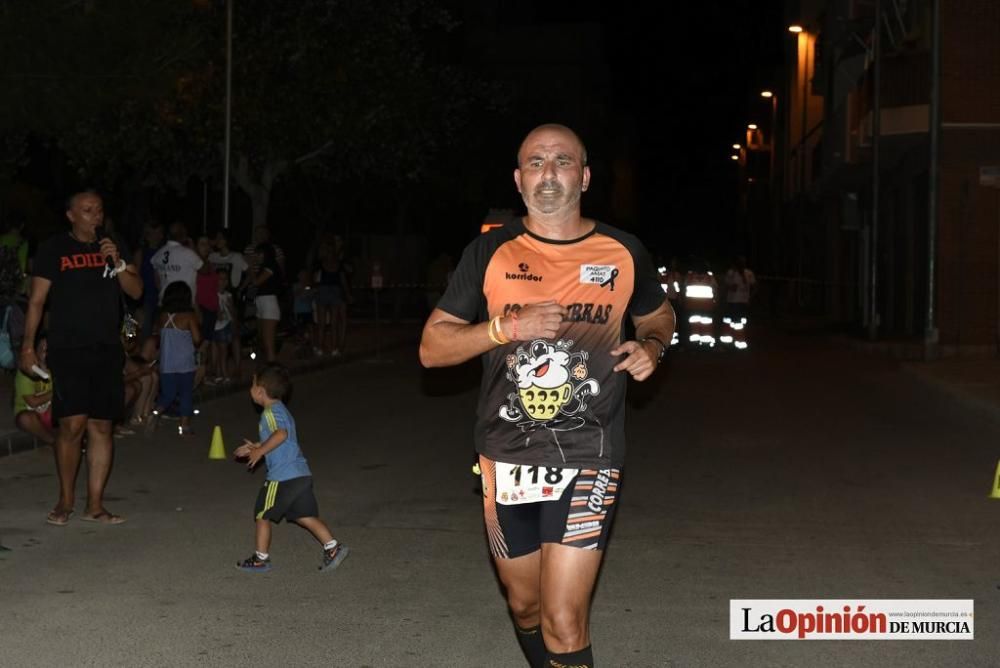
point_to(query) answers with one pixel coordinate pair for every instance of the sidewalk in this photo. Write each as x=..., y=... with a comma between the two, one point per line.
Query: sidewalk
x=364, y=341
x=975, y=380
x=973, y=377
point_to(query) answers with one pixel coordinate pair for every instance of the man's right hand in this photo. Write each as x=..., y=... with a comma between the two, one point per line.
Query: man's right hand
x=28, y=359
x=535, y=321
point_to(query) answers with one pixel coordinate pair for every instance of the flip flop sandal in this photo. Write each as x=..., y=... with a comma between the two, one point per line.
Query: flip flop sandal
x=103, y=517
x=58, y=518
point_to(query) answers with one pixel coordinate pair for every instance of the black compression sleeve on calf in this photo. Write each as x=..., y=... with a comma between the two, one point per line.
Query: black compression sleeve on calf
x=532, y=645
x=582, y=658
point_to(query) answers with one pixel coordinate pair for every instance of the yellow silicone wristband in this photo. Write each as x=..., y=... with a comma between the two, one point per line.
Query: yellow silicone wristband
x=489, y=332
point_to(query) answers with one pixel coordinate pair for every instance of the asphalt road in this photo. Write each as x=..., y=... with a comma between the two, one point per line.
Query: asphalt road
x=799, y=470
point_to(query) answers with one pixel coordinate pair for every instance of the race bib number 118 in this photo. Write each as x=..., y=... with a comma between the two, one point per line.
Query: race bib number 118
x=518, y=483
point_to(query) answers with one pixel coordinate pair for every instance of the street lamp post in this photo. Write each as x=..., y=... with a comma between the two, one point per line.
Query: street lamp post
x=773, y=186
x=769, y=95
x=873, y=314
x=802, y=39
x=229, y=113
x=930, y=328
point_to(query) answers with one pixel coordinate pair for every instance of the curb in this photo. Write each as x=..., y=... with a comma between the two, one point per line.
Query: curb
x=969, y=399
x=14, y=442
x=18, y=441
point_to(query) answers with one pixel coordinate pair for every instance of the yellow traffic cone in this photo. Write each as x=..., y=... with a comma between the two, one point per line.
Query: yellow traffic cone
x=995, y=494
x=218, y=449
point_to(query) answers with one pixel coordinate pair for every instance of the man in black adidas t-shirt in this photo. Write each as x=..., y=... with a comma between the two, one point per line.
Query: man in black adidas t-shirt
x=82, y=273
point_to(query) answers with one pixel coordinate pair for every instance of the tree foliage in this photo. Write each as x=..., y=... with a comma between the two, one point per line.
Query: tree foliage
x=341, y=88
x=102, y=78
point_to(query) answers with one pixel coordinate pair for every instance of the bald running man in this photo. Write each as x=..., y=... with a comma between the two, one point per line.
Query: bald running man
x=543, y=301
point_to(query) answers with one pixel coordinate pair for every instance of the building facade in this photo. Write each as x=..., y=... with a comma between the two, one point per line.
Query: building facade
x=900, y=271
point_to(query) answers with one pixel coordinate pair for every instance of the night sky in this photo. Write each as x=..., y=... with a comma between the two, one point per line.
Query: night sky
x=682, y=80
x=691, y=74
x=658, y=91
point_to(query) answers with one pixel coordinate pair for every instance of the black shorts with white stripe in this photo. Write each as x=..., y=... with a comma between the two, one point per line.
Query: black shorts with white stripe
x=581, y=517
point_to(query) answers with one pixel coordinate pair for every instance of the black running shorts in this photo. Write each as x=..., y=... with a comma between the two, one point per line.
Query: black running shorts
x=287, y=499
x=87, y=381
x=581, y=517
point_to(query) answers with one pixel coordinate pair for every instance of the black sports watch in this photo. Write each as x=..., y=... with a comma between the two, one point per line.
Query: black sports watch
x=663, y=346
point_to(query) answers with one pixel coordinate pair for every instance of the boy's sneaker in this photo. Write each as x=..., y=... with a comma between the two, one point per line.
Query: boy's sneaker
x=254, y=565
x=333, y=557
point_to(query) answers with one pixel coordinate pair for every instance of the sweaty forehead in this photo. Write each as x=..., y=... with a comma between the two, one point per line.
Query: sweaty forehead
x=550, y=142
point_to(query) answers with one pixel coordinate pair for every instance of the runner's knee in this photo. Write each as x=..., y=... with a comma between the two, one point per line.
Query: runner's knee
x=564, y=629
x=523, y=608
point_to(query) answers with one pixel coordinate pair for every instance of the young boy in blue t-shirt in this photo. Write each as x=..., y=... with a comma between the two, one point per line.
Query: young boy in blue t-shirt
x=288, y=489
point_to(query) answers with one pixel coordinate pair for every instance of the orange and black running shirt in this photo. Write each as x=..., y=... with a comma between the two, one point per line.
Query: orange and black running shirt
x=554, y=402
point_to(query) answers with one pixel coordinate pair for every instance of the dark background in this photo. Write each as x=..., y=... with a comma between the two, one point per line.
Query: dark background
x=657, y=91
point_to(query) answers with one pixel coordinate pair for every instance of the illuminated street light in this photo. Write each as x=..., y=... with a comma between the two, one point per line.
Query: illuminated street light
x=737, y=147
x=795, y=28
x=766, y=93
x=751, y=126
x=734, y=157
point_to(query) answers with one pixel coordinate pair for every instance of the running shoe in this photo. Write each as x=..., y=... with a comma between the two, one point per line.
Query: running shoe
x=333, y=557
x=254, y=565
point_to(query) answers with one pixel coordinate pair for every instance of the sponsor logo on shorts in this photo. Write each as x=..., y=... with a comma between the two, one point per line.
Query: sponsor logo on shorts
x=596, y=500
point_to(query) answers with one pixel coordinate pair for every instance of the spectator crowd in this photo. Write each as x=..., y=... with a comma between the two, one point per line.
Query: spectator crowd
x=205, y=310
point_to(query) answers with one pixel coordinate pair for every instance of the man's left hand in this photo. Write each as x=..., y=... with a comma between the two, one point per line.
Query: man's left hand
x=640, y=360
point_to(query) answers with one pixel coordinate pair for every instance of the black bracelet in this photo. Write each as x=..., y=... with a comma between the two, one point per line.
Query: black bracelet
x=663, y=346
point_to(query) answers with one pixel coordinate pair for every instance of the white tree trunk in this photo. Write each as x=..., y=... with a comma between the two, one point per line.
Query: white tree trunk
x=260, y=200
x=257, y=189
